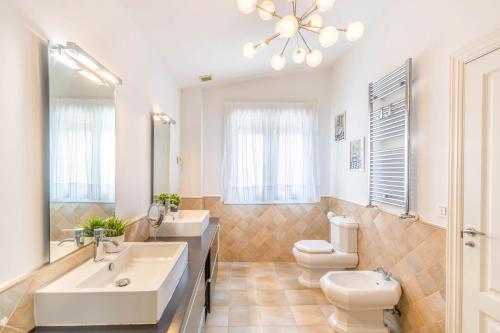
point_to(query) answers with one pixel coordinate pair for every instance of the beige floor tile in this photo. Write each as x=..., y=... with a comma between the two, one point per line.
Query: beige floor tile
x=319, y=297
x=308, y=315
x=300, y=297
x=267, y=283
x=244, y=316
x=291, y=283
x=315, y=329
x=270, y=297
x=247, y=329
x=239, y=283
x=216, y=329
x=242, y=297
x=223, y=283
x=219, y=316
x=221, y=297
x=278, y=329
x=276, y=316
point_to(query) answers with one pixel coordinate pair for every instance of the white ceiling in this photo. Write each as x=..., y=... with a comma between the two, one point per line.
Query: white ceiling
x=197, y=37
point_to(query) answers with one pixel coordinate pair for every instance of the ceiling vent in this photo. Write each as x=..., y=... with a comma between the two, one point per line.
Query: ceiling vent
x=206, y=78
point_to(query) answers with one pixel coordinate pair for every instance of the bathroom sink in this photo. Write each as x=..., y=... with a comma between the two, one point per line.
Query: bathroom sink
x=184, y=223
x=130, y=287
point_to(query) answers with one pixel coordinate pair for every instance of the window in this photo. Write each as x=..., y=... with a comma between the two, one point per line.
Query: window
x=270, y=153
x=82, y=150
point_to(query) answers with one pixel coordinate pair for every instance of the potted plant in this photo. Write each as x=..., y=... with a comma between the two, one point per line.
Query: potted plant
x=115, y=230
x=173, y=199
x=92, y=223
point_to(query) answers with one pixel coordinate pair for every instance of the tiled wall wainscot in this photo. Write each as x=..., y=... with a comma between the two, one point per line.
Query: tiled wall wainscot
x=16, y=299
x=413, y=252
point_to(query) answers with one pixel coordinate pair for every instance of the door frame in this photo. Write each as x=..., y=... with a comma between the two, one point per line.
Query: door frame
x=458, y=61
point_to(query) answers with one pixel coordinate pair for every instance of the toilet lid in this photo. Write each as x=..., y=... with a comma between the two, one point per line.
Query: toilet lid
x=314, y=246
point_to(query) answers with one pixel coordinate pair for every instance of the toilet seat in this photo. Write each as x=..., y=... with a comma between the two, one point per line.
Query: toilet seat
x=314, y=246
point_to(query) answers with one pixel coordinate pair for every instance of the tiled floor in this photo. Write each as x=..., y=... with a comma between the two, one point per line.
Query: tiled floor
x=266, y=298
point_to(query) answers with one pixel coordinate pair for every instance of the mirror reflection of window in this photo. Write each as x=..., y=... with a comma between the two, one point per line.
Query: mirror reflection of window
x=81, y=149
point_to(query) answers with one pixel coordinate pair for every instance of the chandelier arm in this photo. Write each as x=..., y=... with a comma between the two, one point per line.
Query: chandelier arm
x=308, y=12
x=268, y=40
x=310, y=30
x=284, y=47
x=272, y=13
x=304, y=40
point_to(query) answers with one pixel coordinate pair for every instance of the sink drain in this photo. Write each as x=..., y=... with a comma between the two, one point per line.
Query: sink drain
x=122, y=282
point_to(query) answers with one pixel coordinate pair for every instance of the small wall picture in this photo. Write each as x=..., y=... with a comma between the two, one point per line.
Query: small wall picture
x=340, y=127
x=357, y=155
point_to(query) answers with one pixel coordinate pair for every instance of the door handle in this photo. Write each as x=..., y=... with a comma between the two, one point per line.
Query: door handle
x=472, y=232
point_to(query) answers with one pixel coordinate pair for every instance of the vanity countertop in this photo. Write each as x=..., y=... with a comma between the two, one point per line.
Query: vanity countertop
x=173, y=317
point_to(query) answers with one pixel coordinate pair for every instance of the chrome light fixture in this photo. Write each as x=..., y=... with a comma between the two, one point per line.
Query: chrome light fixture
x=76, y=58
x=293, y=25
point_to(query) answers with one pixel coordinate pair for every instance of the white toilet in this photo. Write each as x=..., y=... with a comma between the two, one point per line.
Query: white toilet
x=318, y=257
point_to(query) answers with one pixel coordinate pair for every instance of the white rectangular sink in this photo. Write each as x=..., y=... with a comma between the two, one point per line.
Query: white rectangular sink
x=184, y=223
x=90, y=295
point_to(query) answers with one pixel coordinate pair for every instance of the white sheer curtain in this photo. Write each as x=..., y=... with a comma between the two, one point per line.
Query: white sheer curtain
x=270, y=153
x=82, y=150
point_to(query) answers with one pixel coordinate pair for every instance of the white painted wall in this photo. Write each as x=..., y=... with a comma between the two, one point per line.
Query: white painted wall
x=313, y=85
x=24, y=30
x=429, y=31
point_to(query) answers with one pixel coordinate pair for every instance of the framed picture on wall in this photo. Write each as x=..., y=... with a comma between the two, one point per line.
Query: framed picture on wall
x=340, y=127
x=357, y=155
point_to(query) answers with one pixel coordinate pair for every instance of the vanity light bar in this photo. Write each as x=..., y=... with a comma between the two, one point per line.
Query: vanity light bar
x=163, y=118
x=75, y=57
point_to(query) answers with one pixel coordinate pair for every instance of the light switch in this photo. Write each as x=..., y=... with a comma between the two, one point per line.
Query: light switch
x=443, y=211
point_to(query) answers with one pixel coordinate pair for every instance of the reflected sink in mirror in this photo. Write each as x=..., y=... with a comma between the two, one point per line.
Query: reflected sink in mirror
x=130, y=287
x=184, y=223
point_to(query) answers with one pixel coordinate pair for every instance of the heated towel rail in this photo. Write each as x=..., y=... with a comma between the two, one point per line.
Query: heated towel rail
x=390, y=134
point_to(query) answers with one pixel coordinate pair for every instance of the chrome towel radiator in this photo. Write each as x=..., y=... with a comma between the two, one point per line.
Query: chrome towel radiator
x=390, y=121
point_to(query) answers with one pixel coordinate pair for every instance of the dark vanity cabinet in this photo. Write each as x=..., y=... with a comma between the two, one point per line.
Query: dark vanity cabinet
x=200, y=304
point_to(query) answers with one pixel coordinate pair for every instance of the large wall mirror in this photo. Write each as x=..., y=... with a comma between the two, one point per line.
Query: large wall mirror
x=161, y=154
x=82, y=145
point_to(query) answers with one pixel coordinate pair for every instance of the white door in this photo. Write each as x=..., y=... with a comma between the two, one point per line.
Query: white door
x=481, y=253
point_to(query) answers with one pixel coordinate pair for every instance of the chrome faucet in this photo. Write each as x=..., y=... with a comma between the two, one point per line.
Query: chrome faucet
x=99, y=244
x=387, y=275
x=79, y=238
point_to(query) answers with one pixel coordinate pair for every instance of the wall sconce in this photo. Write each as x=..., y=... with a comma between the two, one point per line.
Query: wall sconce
x=76, y=58
x=163, y=118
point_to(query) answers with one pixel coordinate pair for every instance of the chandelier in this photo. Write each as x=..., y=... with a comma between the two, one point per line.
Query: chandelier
x=292, y=26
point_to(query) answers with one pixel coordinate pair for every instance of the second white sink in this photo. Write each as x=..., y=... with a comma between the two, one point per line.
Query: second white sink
x=185, y=223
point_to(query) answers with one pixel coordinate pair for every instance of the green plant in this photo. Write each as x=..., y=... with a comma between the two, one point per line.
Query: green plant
x=114, y=226
x=92, y=223
x=174, y=198
x=163, y=197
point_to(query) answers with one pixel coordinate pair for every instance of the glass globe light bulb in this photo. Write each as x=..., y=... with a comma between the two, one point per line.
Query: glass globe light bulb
x=268, y=8
x=314, y=58
x=315, y=22
x=249, y=50
x=328, y=36
x=287, y=26
x=354, y=31
x=299, y=55
x=247, y=6
x=278, y=61
x=324, y=5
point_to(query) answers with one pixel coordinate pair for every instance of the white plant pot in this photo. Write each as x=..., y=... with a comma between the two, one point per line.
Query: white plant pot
x=112, y=248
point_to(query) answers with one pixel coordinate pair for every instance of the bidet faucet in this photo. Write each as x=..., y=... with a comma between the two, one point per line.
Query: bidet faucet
x=387, y=275
x=99, y=244
x=79, y=238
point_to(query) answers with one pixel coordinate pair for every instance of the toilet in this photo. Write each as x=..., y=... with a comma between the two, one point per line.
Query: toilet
x=318, y=257
x=359, y=298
